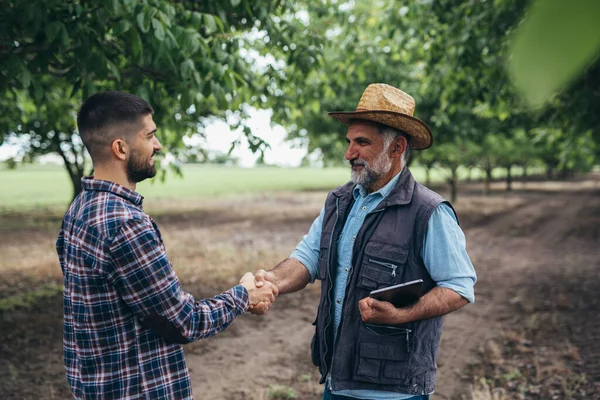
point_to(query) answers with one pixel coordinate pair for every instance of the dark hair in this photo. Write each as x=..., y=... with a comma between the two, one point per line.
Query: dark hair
x=104, y=111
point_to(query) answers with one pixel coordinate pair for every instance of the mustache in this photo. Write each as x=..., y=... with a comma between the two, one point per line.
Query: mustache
x=358, y=161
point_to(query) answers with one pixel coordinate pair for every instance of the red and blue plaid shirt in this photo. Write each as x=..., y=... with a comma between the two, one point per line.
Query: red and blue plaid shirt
x=116, y=274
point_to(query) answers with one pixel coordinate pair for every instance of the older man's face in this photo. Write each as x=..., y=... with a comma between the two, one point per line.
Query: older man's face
x=368, y=156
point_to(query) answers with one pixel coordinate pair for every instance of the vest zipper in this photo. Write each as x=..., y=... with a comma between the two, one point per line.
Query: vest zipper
x=346, y=289
x=385, y=264
x=337, y=216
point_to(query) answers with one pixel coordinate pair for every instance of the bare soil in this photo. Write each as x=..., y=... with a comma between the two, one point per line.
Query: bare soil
x=533, y=332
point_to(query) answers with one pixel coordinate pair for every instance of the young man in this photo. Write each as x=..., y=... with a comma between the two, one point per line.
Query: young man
x=378, y=230
x=125, y=315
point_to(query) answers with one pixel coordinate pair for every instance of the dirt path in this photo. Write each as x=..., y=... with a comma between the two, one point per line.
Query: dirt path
x=537, y=255
x=508, y=247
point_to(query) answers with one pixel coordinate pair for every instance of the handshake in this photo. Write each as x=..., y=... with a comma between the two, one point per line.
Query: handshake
x=262, y=290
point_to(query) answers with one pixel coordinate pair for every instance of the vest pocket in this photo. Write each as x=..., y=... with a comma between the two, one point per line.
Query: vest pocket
x=382, y=265
x=383, y=360
x=315, y=346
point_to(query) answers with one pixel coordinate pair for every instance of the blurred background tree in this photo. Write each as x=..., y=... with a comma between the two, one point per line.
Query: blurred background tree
x=189, y=59
x=194, y=60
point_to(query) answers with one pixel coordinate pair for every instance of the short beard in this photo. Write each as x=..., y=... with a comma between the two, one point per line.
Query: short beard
x=371, y=173
x=139, y=169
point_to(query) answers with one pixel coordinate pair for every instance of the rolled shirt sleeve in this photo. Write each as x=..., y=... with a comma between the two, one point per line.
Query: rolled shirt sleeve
x=445, y=255
x=146, y=282
x=307, y=251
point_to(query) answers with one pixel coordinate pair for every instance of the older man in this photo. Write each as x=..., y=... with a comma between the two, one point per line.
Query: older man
x=125, y=315
x=378, y=230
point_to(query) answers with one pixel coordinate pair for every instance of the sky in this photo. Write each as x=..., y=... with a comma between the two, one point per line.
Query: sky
x=219, y=137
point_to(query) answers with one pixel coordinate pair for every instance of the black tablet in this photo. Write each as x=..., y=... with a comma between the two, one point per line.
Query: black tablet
x=400, y=295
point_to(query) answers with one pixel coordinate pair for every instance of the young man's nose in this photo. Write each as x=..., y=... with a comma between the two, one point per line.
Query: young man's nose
x=157, y=146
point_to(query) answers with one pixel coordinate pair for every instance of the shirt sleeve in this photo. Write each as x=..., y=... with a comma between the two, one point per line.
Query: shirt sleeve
x=445, y=255
x=307, y=251
x=146, y=282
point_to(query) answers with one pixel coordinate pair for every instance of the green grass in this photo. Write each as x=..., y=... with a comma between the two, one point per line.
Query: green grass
x=47, y=186
x=31, y=187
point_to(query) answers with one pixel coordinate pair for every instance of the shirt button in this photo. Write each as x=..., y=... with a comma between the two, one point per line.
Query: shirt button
x=345, y=269
x=338, y=301
x=354, y=237
x=364, y=208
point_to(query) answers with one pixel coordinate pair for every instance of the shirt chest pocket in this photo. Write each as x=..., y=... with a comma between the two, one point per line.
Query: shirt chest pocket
x=382, y=265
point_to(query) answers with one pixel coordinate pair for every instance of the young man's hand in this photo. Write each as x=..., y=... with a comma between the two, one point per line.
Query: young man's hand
x=260, y=296
x=261, y=278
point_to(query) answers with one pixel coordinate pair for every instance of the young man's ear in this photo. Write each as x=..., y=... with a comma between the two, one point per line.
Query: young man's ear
x=120, y=149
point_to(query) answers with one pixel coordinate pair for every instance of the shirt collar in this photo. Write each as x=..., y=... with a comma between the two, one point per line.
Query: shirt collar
x=97, y=185
x=359, y=190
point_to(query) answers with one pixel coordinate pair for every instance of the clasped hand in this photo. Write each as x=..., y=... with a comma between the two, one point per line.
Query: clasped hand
x=261, y=291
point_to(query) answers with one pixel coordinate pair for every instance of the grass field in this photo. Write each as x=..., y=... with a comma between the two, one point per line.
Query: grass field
x=41, y=186
x=48, y=186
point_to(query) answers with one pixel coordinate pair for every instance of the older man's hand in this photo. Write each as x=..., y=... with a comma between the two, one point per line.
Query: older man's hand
x=262, y=278
x=377, y=312
x=260, y=297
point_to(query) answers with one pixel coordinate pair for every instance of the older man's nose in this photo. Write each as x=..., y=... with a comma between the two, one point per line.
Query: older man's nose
x=351, y=152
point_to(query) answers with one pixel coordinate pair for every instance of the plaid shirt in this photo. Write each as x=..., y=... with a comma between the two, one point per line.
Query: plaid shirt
x=116, y=273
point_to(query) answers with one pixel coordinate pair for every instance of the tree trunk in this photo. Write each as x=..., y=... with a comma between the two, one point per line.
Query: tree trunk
x=453, y=184
x=488, y=180
x=75, y=164
x=508, y=178
x=427, y=176
x=76, y=182
x=524, y=177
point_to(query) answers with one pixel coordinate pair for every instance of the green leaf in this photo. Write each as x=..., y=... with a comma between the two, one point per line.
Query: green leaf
x=210, y=23
x=129, y=5
x=136, y=44
x=197, y=19
x=235, y=3
x=141, y=20
x=52, y=30
x=122, y=27
x=187, y=69
x=228, y=81
x=26, y=78
x=114, y=69
x=115, y=6
x=187, y=98
x=64, y=37
x=557, y=40
x=76, y=87
x=159, y=30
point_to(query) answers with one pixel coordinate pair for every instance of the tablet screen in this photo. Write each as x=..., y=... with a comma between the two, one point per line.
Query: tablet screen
x=400, y=295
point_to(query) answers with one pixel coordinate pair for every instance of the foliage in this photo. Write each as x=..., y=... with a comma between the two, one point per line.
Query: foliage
x=188, y=59
x=556, y=42
x=196, y=60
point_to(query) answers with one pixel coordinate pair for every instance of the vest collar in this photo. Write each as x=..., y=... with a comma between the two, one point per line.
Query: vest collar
x=401, y=194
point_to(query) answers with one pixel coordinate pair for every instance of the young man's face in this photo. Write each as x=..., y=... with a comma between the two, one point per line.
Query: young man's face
x=144, y=146
x=367, y=153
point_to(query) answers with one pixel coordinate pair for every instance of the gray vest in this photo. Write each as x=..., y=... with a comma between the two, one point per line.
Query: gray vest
x=386, y=252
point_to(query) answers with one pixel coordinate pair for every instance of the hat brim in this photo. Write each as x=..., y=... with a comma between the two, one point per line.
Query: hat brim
x=421, y=137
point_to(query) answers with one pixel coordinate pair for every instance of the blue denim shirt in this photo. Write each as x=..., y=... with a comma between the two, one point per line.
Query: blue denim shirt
x=444, y=254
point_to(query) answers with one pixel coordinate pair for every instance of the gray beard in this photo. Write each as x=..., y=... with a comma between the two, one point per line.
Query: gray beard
x=371, y=173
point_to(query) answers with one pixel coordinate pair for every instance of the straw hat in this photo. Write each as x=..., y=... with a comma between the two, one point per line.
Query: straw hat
x=389, y=106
